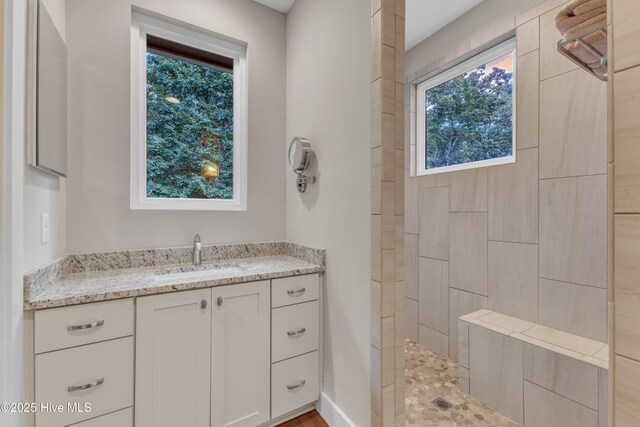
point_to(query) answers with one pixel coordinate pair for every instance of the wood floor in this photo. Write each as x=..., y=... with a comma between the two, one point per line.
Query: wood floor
x=310, y=419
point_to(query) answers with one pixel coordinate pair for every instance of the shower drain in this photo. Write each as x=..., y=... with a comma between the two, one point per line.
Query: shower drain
x=441, y=403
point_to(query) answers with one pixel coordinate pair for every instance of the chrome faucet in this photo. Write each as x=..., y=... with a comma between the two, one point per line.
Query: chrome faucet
x=197, y=250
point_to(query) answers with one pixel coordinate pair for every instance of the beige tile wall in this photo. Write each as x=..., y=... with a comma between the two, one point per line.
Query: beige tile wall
x=571, y=127
x=527, y=239
x=496, y=372
x=513, y=279
x=513, y=197
x=545, y=408
x=624, y=85
x=562, y=375
x=388, y=318
x=581, y=310
x=573, y=229
x=433, y=292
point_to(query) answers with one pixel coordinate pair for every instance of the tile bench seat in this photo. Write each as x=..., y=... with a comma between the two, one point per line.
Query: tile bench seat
x=533, y=374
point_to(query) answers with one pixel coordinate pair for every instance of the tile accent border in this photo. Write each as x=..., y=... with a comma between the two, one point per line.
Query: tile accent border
x=624, y=210
x=387, y=213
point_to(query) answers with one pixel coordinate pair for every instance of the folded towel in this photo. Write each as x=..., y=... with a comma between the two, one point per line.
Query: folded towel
x=584, y=6
x=599, y=20
x=578, y=14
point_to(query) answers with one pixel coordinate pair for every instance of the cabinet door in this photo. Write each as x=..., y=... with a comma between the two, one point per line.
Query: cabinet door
x=240, y=360
x=173, y=346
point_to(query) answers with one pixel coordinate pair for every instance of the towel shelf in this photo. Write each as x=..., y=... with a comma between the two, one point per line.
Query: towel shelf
x=569, y=45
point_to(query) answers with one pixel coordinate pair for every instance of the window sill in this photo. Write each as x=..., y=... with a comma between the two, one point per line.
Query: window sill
x=188, y=205
x=466, y=166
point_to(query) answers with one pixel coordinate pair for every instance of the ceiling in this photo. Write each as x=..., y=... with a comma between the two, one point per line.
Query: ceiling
x=280, y=5
x=425, y=17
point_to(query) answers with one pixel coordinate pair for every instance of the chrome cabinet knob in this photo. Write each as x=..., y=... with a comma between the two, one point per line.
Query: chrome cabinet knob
x=296, y=292
x=295, y=333
x=296, y=386
x=86, y=326
x=82, y=387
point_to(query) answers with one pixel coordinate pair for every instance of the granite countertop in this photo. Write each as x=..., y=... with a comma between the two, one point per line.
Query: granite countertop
x=86, y=278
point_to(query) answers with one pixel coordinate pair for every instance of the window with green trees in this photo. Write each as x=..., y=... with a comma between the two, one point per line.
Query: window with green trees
x=467, y=114
x=189, y=123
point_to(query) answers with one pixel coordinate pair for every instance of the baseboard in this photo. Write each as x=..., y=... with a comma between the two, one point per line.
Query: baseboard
x=331, y=413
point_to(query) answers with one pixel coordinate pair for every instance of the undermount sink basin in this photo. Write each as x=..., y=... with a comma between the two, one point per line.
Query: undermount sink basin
x=194, y=272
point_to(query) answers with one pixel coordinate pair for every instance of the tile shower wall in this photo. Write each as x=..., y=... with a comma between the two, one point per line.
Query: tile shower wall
x=387, y=213
x=625, y=297
x=527, y=239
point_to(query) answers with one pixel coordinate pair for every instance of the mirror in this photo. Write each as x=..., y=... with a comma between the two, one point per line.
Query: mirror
x=299, y=157
x=48, y=86
x=299, y=154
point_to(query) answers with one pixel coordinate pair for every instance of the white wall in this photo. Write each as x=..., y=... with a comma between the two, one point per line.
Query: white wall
x=328, y=73
x=98, y=35
x=11, y=231
x=45, y=193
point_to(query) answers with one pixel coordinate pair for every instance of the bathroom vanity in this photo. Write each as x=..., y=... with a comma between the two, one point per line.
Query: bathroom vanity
x=235, y=341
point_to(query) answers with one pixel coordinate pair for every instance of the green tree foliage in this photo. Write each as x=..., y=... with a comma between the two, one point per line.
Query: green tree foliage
x=183, y=137
x=469, y=118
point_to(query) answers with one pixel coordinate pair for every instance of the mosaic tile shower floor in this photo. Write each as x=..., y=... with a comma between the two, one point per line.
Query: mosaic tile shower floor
x=428, y=376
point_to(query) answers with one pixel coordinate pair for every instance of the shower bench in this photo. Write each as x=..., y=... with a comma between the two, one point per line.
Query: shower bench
x=533, y=374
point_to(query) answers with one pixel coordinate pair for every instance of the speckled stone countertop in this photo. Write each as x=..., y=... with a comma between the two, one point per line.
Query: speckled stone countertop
x=86, y=278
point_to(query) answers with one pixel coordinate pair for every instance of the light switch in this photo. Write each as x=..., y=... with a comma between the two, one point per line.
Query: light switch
x=45, y=230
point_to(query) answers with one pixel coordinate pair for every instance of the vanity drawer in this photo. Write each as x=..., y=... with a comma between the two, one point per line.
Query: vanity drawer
x=294, y=290
x=122, y=418
x=65, y=327
x=294, y=383
x=106, y=369
x=294, y=330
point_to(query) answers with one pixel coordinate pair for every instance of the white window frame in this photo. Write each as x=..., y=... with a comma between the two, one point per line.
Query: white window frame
x=508, y=46
x=141, y=25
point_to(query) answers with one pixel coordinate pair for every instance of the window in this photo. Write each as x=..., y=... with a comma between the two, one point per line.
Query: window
x=465, y=115
x=188, y=118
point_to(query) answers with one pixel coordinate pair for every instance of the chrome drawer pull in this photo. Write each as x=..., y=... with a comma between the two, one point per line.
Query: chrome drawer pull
x=296, y=385
x=296, y=332
x=296, y=292
x=87, y=326
x=96, y=383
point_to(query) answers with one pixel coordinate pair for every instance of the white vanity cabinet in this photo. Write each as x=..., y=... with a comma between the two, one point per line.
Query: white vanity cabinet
x=203, y=356
x=84, y=354
x=242, y=355
x=263, y=340
x=240, y=344
x=295, y=343
x=173, y=342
